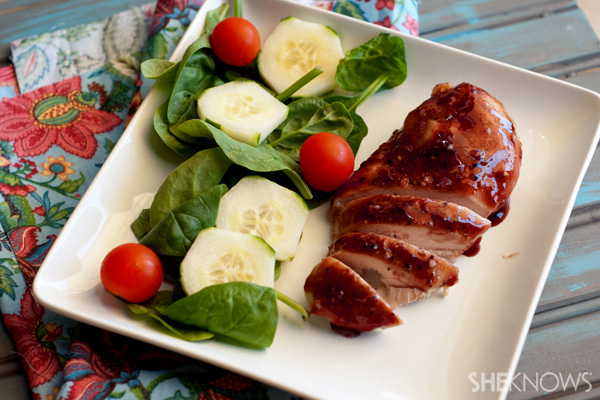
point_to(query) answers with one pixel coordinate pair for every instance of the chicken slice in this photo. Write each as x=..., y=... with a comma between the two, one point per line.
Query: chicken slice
x=446, y=229
x=334, y=291
x=399, y=272
x=458, y=146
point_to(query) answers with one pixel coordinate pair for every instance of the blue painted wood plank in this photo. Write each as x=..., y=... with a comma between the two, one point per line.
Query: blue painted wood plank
x=589, y=78
x=436, y=15
x=574, y=275
x=589, y=191
x=558, y=37
x=562, y=352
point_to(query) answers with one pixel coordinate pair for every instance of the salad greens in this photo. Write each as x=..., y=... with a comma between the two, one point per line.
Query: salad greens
x=198, y=173
x=239, y=310
x=174, y=234
x=378, y=63
x=188, y=200
x=242, y=311
x=362, y=65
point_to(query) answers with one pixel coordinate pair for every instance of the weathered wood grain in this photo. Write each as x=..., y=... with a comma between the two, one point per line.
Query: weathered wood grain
x=588, y=78
x=567, y=34
x=455, y=15
x=578, y=338
x=14, y=388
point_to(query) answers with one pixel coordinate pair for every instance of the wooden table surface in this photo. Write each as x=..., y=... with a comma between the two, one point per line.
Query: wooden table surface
x=552, y=37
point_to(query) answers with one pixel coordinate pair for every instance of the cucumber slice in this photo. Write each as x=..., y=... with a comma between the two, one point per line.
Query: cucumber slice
x=244, y=110
x=258, y=206
x=294, y=48
x=220, y=256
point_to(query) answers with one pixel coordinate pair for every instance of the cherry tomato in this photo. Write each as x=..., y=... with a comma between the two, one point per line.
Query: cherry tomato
x=132, y=272
x=235, y=41
x=326, y=160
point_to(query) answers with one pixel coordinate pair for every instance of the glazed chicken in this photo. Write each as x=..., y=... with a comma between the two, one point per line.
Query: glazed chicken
x=446, y=229
x=458, y=146
x=423, y=198
x=404, y=273
x=337, y=293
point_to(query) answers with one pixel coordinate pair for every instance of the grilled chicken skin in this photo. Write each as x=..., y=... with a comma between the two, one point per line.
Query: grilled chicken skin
x=405, y=272
x=446, y=229
x=458, y=146
x=337, y=293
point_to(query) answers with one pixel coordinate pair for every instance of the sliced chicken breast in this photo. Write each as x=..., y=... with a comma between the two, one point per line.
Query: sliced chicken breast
x=399, y=272
x=446, y=229
x=336, y=292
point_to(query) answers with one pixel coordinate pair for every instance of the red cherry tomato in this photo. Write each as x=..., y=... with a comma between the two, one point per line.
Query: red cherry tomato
x=132, y=272
x=235, y=41
x=326, y=160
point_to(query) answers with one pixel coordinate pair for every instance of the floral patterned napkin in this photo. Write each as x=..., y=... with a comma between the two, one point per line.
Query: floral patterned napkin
x=63, y=106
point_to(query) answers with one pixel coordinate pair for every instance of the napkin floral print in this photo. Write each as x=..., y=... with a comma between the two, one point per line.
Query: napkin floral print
x=79, y=88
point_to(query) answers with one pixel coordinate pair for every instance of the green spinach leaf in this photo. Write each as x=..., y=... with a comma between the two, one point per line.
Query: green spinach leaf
x=359, y=127
x=161, y=127
x=261, y=158
x=163, y=299
x=195, y=175
x=239, y=310
x=213, y=17
x=176, y=232
x=160, y=70
x=194, y=76
x=382, y=55
x=141, y=226
x=307, y=116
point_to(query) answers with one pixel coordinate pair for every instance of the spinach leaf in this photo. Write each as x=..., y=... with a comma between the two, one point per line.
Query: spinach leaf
x=193, y=77
x=359, y=127
x=163, y=299
x=196, y=132
x=176, y=232
x=239, y=310
x=213, y=17
x=307, y=116
x=160, y=70
x=196, y=174
x=161, y=127
x=261, y=158
x=141, y=226
x=382, y=55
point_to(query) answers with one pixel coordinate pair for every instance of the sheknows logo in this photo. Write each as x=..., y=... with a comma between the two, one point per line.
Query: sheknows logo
x=547, y=382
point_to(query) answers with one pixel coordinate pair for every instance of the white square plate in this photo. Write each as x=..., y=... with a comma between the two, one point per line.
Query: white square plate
x=445, y=343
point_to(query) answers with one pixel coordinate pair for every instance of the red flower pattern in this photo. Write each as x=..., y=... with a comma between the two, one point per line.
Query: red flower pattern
x=34, y=340
x=94, y=375
x=29, y=253
x=9, y=78
x=58, y=114
x=381, y=4
x=387, y=22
